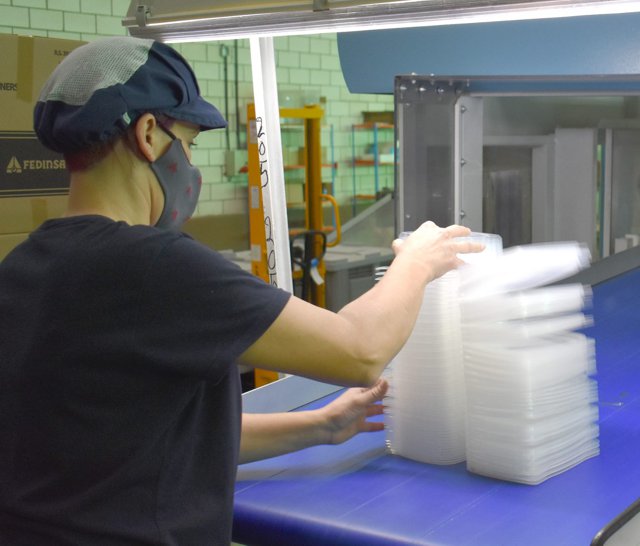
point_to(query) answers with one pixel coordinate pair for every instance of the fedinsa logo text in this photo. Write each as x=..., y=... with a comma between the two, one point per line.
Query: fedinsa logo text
x=15, y=166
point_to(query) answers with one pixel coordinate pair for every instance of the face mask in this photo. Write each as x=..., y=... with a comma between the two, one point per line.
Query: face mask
x=180, y=182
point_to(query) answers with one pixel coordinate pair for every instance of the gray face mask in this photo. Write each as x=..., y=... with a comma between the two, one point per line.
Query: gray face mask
x=180, y=182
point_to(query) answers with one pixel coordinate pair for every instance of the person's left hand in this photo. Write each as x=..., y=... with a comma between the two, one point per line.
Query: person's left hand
x=347, y=415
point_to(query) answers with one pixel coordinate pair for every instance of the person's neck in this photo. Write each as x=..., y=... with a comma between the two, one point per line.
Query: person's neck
x=107, y=189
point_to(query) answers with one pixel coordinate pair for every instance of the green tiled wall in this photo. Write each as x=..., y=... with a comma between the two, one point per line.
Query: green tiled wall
x=308, y=68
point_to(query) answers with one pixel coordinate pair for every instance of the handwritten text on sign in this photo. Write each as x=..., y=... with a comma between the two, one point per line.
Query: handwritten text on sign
x=268, y=224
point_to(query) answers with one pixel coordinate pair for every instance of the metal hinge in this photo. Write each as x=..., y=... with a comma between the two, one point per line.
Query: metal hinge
x=142, y=15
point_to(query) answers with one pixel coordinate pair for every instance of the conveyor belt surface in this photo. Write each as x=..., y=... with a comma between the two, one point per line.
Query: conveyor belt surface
x=356, y=493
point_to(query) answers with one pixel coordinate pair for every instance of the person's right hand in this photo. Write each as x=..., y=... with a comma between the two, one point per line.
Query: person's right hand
x=435, y=248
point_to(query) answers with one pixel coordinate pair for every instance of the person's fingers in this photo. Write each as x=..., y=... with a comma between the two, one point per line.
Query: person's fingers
x=396, y=245
x=371, y=395
x=465, y=247
x=456, y=230
x=379, y=389
x=371, y=426
x=375, y=409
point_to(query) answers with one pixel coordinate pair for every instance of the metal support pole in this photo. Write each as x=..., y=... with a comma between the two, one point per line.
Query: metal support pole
x=265, y=93
x=607, y=181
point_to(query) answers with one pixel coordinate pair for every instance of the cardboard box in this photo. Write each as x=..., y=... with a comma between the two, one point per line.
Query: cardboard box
x=378, y=117
x=294, y=192
x=24, y=214
x=33, y=180
x=26, y=64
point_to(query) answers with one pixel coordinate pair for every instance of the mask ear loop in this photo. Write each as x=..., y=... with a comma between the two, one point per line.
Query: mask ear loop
x=167, y=130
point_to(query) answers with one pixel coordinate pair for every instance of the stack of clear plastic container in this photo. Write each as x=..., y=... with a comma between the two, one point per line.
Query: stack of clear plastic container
x=425, y=415
x=426, y=407
x=494, y=371
x=531, y=399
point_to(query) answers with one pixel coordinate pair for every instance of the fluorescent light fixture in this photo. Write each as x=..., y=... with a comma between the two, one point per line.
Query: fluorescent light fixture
x=196, y=20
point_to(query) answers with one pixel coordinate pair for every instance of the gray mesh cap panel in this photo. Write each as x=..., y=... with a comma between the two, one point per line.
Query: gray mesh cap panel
x=95, y=66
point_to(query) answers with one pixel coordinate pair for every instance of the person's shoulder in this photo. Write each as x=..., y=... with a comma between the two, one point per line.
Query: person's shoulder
x=184, y=248
x=95, y=237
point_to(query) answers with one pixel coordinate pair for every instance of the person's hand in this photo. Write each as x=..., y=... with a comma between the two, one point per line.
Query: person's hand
x=347, y=415
x=436, y=248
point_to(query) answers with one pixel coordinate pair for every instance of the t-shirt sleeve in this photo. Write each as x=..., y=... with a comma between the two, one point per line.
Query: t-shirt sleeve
x=200, y=312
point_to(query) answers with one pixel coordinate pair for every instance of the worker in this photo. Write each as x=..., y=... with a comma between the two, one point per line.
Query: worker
x=120, y=406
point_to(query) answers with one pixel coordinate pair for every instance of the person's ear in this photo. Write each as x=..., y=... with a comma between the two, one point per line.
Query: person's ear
x=147, y=137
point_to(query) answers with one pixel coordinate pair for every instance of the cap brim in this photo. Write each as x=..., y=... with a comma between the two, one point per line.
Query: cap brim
x=199, y=112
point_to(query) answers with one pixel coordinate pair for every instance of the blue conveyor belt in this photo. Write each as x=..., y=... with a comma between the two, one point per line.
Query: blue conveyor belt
x=356, y=493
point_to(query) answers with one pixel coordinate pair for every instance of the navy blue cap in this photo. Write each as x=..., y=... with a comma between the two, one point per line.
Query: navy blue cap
x=102, y=87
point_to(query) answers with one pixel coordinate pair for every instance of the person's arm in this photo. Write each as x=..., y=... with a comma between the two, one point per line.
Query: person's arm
x=353, y=346
x=267, y=435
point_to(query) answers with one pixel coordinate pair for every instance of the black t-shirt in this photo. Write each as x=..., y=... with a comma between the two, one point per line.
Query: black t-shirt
x=119, y=398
